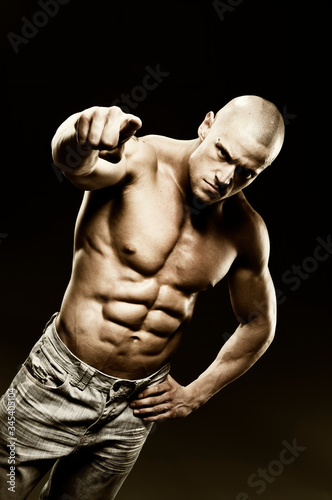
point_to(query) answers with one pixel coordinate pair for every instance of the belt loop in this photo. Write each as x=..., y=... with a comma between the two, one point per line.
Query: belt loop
x=50, y=321
x=84, y=380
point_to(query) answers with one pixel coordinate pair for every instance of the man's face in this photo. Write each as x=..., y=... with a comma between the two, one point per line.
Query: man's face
x=228, y=160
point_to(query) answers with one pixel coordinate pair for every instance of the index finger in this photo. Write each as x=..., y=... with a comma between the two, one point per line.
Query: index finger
x=154, y=390
x=128, y=127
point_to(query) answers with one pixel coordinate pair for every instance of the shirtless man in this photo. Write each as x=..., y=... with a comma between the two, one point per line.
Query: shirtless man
x=161, y=220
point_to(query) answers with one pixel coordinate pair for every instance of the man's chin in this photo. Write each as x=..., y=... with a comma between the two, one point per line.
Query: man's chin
x=201, y=200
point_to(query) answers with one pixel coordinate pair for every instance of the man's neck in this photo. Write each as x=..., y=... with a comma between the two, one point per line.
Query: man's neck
x=181, y=164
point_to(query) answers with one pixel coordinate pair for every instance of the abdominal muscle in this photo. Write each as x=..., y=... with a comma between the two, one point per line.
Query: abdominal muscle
x=118, y=321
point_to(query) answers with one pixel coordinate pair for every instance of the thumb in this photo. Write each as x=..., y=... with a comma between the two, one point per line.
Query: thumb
x=129, y=127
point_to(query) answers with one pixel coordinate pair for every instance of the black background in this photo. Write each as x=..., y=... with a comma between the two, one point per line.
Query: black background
x=88, y=54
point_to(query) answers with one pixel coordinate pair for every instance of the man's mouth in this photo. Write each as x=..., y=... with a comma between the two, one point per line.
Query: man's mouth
x=212, y=189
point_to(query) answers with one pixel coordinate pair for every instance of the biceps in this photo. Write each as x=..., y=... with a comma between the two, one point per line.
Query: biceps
x=253, y=296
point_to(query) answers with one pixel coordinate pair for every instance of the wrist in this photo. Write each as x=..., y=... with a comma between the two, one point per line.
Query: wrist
x=69, y=155
x=196, y=396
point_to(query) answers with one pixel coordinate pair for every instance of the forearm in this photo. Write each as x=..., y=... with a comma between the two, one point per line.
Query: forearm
x=68, y=155
x=239, y=353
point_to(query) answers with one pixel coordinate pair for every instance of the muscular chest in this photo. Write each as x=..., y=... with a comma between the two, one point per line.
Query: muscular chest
x=200, y=258
x=155, y=234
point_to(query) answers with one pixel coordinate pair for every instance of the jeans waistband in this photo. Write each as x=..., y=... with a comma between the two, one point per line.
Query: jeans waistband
x=83, y=374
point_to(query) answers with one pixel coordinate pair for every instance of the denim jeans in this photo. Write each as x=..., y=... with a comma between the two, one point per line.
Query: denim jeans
x=73, y=418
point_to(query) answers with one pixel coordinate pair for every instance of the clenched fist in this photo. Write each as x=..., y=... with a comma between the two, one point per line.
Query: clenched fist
x=106, y=130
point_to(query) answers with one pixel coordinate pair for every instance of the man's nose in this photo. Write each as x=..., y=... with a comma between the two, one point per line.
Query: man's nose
x=225, y=177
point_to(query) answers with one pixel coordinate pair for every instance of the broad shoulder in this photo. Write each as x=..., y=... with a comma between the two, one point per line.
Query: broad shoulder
x=145, y=154
x=139, y=153
x=167, y=150
x=248, y=231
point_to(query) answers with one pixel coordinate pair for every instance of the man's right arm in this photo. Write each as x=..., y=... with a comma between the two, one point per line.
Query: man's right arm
x=89, y=147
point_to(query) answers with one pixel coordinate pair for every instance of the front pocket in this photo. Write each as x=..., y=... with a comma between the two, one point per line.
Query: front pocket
x=44, y=373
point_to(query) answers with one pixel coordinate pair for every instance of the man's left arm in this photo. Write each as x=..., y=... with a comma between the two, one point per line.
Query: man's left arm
x=254, y=302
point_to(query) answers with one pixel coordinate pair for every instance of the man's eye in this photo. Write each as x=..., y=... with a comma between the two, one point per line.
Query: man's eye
x=243, y=172
x=222, y=152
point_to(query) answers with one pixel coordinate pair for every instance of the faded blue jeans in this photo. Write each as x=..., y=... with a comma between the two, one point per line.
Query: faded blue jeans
x=73, y=418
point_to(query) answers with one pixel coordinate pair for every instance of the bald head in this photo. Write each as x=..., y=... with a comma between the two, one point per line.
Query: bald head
x=258, y=117
x=234, y=147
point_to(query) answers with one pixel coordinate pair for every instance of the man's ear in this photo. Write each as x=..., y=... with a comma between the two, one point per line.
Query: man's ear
x=205, y=126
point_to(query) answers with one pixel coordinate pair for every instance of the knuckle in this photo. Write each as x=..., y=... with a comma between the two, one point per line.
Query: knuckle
x=83, y=119
x=88, y=113
x=85, y=114
x=99, y=113
x=115, y=109
x=91, y=109
x=152, y=390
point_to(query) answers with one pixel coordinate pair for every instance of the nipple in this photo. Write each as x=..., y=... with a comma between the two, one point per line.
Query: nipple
x=129, y=249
